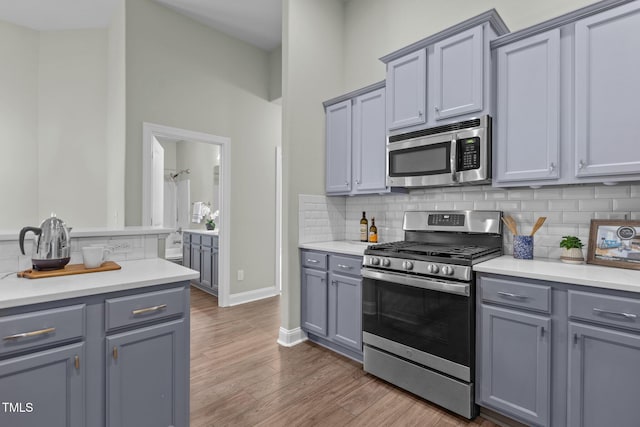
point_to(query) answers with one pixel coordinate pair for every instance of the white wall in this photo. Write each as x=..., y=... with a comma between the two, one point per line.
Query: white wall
x=275, y=74
x=374, y=28
x=18, y=121
x=116, y=117
x=313, y=35
x=186, y=75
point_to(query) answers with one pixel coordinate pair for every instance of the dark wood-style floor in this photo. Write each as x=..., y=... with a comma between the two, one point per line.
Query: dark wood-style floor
x=240, y=376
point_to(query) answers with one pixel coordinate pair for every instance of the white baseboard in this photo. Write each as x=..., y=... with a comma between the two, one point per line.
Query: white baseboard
x=244, y=297
x=291, y=337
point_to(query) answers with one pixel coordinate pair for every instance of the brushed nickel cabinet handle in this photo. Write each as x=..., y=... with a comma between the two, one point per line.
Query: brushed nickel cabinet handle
x=614, y=313
x=312, y=261
x=149, y=309
x=510, y=295
x=76, y=362
x=30, y=334
x=115, y=353
x=346, y=267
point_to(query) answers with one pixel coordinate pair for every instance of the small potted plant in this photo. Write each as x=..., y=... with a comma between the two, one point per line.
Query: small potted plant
x=571, y=250
x=210, y=222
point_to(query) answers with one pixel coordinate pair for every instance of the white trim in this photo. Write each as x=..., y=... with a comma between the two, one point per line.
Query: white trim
x=257, y=294
x=291, y=337
x=149, y=131
x=278, y=247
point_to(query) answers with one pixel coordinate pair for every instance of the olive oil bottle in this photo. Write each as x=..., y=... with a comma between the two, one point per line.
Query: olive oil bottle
x=364, y=226
x=373, y=231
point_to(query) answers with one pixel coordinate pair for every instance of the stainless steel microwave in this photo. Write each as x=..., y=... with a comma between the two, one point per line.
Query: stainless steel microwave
x=454, y=154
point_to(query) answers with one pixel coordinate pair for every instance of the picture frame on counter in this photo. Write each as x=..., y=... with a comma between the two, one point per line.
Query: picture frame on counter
x=614, y=243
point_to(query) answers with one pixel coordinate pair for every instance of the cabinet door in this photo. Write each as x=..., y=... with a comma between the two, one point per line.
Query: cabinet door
x=607, y=66
x=369, y=143
x=338, y=139
x=186, y=256
x=148, y=377
x=458, y=73
x=345, y=311
x=44, y=388
x=603, y=377
x=528, y=125
x=206, y=266
x=196, y=260
x=314, y=301
x=515, y=364
x=406, y=90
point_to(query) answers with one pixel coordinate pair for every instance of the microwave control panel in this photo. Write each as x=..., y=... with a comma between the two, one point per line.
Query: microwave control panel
x=468, y=154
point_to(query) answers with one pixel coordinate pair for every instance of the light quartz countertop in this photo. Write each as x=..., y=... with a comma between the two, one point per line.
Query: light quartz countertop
x=97, y=232
x=346, y=247
x=201, y=231
x=557, y=271
x=15, y=291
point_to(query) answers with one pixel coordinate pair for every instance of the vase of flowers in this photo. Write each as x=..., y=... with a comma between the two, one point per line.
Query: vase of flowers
x=210, y=222
x=571, y=250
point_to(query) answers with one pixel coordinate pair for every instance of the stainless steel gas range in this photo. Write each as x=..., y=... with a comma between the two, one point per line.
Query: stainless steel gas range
x=418, y=304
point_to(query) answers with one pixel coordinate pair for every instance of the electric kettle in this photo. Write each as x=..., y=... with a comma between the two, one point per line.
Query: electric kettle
x=51, y=248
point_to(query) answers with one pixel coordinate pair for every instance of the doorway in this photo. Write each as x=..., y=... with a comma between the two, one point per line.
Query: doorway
x=151, y=206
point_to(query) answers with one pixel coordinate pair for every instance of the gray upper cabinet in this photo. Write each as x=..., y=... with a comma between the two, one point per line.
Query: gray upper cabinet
x=338, y=140
x=603, y=377
x=458, y=73
x=369, y=142
x=146, y=375
x=51, y=382
x=407, y=93
x=607, y=66
x=345, y=312
x=356, y=142
x=527, y=140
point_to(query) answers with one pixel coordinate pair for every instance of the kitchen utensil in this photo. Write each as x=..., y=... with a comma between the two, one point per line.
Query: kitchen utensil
x=511, y=224
x=68, y=270
x=538, y=224
x=52, y=246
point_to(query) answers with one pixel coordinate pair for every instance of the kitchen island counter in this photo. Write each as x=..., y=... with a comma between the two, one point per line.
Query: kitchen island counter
x=15, y=291
x=556, y=271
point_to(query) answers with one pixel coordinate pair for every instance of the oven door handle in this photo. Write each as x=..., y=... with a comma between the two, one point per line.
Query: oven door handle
x=418, y=282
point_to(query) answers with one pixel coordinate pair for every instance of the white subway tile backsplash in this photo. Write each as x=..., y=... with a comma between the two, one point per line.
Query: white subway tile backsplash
x=519, y=194
x=534, y=205
x=453, y=196
x=578, y=192
x=496, y=195
x=547, y=193
x=488, y=205
x=473, y=195
x=508, y=206
x=463, y=206
x=628, y=205
x=577, y=217
x=611, y=191
x=563, y=205
x=595, y=205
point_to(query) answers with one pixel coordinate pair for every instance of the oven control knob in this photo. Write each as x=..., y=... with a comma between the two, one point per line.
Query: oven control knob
x=407, y=265
x=386, y=262
x=433, y=269
x=447, y=270
x=374, y=261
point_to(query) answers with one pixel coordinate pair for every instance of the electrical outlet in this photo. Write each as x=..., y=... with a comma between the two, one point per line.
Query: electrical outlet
x=120, y=247
x=240, y=275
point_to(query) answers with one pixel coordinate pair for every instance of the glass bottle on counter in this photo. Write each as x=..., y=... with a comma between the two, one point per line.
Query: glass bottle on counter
x=373, y=231
x=364, y=226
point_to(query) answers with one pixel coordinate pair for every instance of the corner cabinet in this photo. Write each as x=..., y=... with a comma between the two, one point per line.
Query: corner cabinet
x=200, y=253
x=331, y=304
x=117, y=359
x=356, y=143
x=589, y=338
x=566, y=96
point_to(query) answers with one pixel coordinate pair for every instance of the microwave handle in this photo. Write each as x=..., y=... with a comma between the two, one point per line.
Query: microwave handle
x=453, y=158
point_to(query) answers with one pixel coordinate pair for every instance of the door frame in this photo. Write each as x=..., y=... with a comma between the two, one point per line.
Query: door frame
x=151, y=130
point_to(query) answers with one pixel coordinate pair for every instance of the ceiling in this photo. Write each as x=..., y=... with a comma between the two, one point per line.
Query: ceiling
x=258, y=22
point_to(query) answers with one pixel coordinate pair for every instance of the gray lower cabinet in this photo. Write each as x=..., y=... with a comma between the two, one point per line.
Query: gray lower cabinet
x=44, y=388
x=202, y=250
x=118, y=359
x=145, y=374
x=516, y=363
x=331, y=301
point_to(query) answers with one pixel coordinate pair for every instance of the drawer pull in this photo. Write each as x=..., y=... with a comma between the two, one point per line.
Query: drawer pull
x=115, y=353
x=510, y=295
x=148, y=309
x=76, y=362
x=30, y=334
x=600, y=311
x=346, y=267
x=312, y=261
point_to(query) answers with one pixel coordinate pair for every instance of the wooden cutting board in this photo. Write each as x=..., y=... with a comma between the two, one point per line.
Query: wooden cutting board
x=68, y=270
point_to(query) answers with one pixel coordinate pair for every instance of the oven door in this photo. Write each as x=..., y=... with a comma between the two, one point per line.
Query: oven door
x=422, y=162
x=424, y=320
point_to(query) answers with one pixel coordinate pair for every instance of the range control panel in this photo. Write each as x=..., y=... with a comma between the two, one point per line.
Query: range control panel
x=468, y=154
x=447, y=220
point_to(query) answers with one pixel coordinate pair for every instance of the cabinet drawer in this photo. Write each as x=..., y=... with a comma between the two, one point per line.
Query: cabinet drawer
x=345, y=265
x=314, y=260
x=211, y=241
x=516, y=294
x=134, y=309
x=605, y=309
x=38, y=328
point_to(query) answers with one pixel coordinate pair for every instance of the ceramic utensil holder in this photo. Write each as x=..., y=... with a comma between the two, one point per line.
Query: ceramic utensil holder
x=523, y=247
